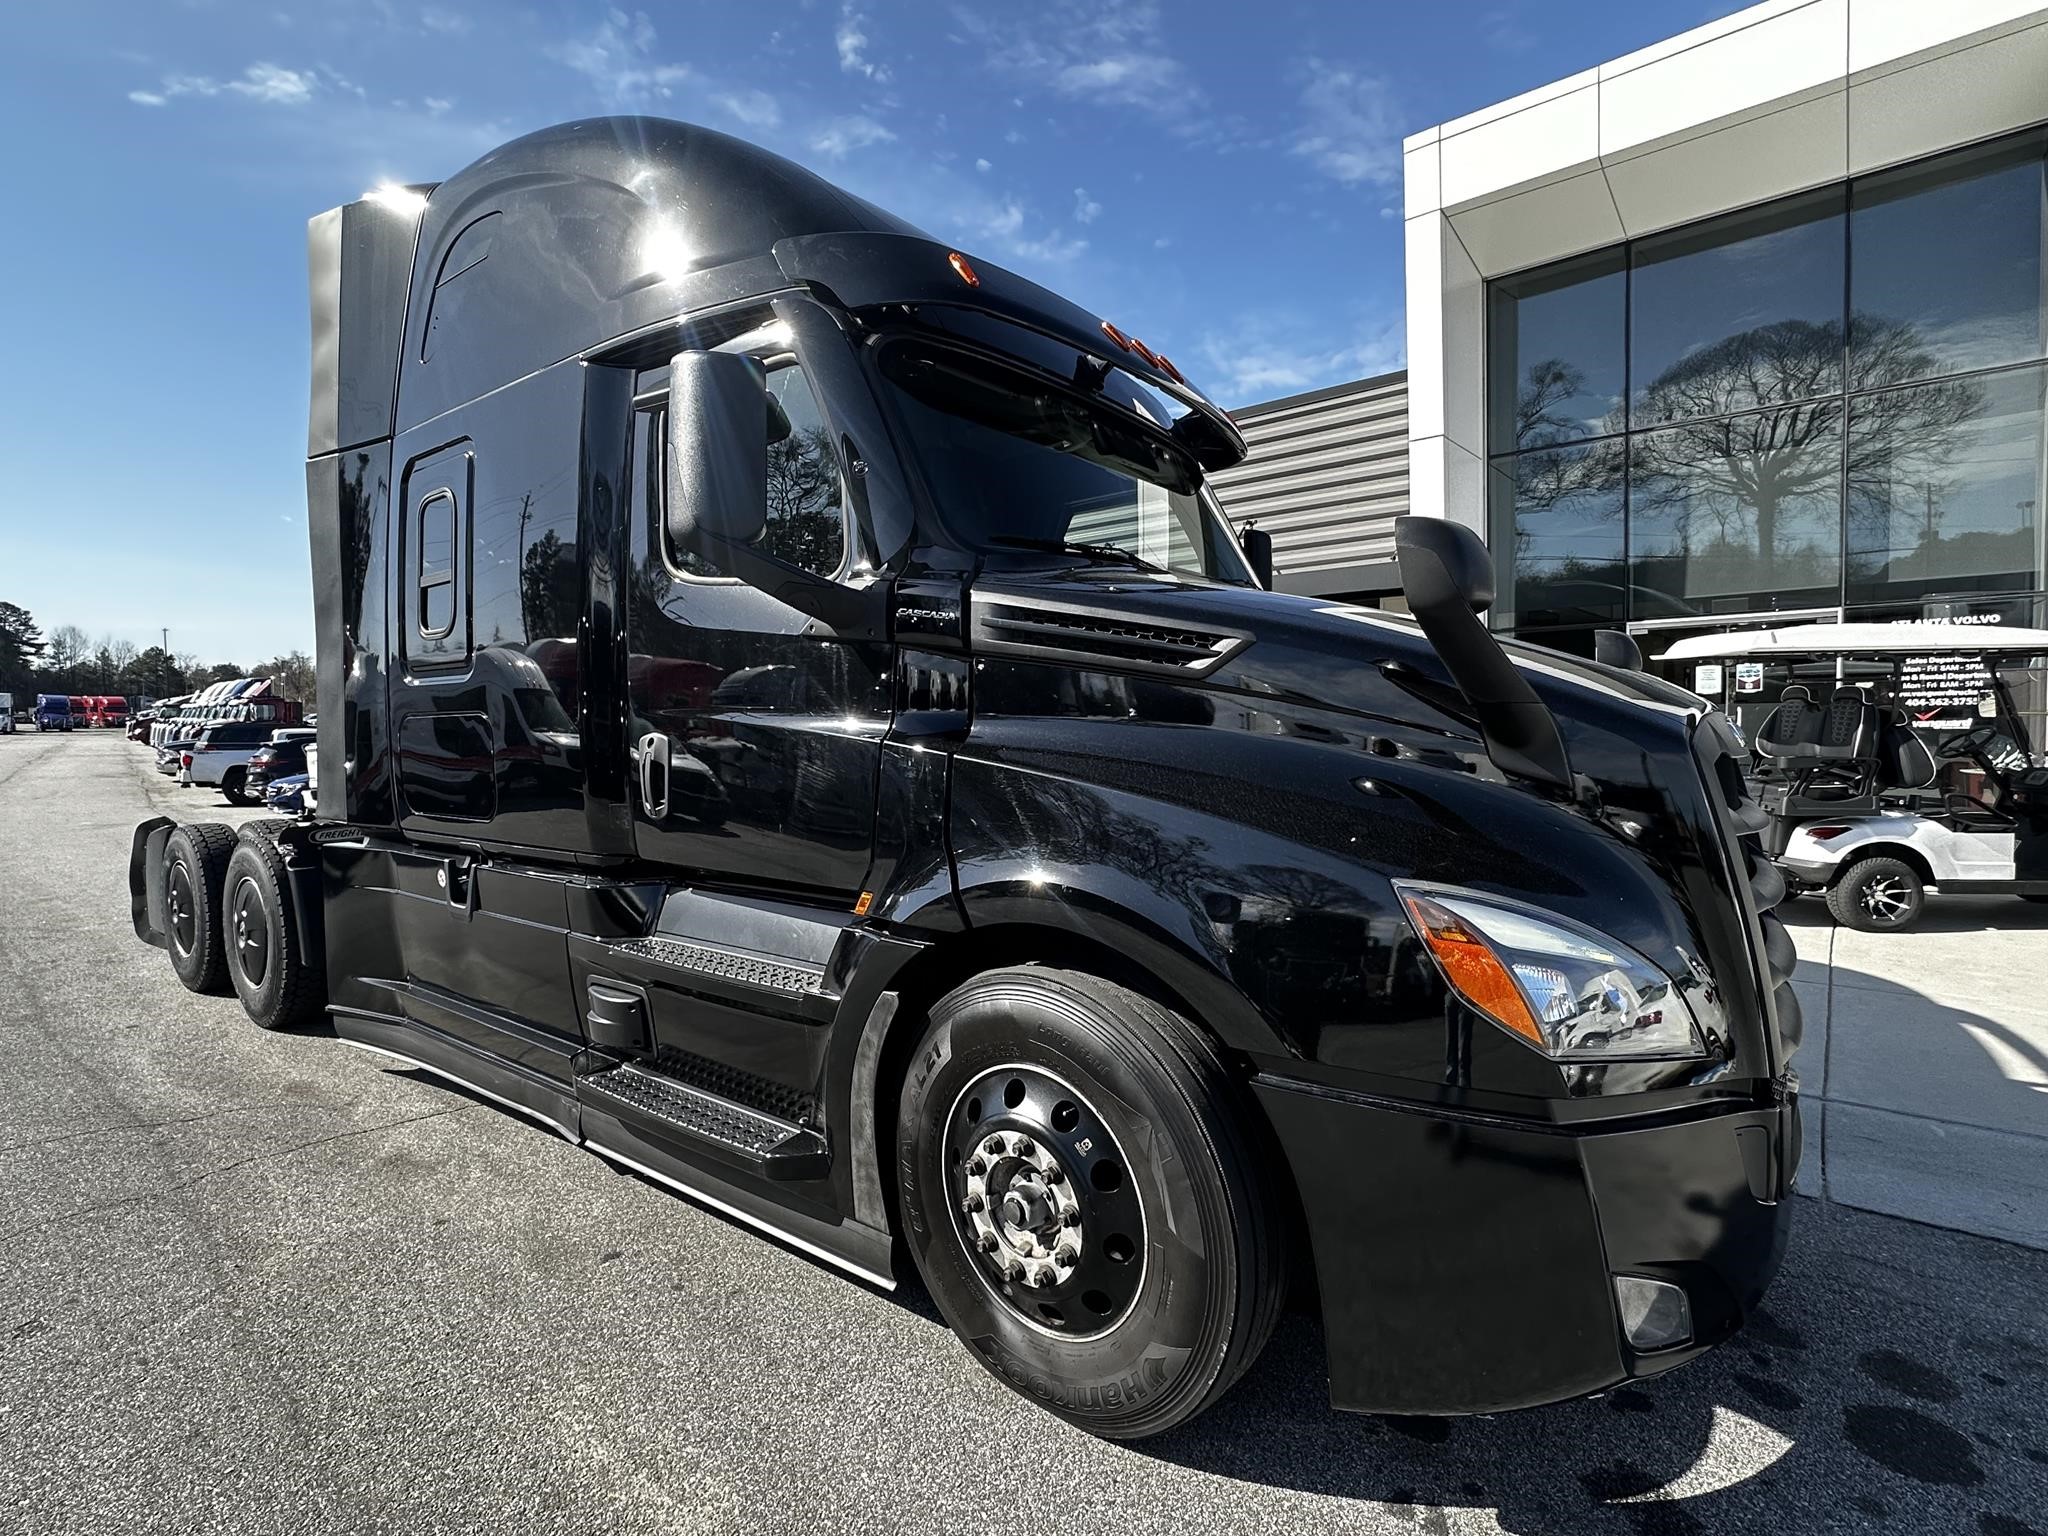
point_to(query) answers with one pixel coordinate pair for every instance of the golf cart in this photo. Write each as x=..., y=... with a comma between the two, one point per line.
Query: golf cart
x=1847, y=779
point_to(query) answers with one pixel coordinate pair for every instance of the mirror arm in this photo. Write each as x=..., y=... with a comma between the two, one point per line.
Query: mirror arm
x=857, y=612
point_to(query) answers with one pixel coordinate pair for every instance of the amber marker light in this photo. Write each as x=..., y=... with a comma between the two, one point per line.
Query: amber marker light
x=1116, y=335
x=1472, y=968
x=964, y=268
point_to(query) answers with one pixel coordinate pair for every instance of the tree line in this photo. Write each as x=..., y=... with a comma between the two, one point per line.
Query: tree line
x=68, y=660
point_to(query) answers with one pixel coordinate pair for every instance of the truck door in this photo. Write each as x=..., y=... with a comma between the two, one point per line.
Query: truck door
x=754, y=736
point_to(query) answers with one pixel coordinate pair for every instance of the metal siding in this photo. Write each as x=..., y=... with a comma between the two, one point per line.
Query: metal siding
x=1327, y=474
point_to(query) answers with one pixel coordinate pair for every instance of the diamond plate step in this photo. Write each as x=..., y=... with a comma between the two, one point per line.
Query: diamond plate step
x=770, y=1146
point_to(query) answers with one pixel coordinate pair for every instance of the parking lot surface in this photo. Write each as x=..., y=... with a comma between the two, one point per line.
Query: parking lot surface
x=253, y=1283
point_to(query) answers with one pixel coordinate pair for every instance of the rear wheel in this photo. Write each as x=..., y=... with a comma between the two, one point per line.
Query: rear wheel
x=195, y=867
x=279, y=984
x=231, y=784
x=1082, y=1200
x=1877, y=895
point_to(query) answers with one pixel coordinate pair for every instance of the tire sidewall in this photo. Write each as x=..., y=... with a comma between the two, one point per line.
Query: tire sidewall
x=260, y=1001
x=1167, y=1348
x=197, y=967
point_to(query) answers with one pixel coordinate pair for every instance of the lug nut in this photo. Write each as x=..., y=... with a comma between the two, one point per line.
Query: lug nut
x=1013, y=1271
x=993, y=1146
x=976, y=1167
x=1041, y=1278
x=1066, y=1255
x=987, y=1242
x=972, y=1204
x=1071, y=1218
x=1055, y=1174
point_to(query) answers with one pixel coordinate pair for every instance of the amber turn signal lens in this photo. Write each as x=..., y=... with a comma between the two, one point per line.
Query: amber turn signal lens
x=1472, y=968
x=964, y=268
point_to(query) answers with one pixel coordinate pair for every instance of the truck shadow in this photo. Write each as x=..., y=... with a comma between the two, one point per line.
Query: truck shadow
x=1849, y=1417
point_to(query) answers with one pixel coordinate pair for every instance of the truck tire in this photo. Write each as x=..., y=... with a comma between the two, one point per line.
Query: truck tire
x=195, y=866
x=1877, y=895
x=231, y=784
x=281, y=987
x=1080, y=1193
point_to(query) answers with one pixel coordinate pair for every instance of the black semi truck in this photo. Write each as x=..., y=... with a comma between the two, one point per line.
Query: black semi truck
x=794, y=720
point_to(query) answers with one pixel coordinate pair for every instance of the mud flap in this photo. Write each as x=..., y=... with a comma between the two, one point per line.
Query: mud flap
x=146, y=878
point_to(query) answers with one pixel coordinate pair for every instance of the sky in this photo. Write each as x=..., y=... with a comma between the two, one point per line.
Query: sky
x=1223, y=179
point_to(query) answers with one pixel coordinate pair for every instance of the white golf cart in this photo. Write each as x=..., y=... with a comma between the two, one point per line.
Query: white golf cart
x=1844, y=773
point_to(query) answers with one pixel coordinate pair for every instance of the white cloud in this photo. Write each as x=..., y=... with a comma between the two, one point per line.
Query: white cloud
x=983, y=166
x=264, y=82
x=616, y=60
x=852, y=42
x=1112, y=51
x=1504, y=31
x=1350, y=127
x=1282, y=354
x=1086, y=209
x=842, y=135
x=436, y=105
x=448, y=23
x=1003, y=227
x=757, y=109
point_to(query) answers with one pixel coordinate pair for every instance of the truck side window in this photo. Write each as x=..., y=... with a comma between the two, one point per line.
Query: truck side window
x=806, y=498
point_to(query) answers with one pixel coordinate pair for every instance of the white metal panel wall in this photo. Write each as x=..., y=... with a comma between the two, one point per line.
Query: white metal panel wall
x=1327, y=474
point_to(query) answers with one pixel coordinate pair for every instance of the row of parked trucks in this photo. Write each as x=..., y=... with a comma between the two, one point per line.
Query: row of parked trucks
x=236, y=736
x=69, y=711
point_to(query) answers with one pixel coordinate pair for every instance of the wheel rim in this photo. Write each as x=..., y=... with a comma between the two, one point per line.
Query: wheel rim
x=1887, y=898
x=180, y=909
x=1044, y=1202
x=252, y=933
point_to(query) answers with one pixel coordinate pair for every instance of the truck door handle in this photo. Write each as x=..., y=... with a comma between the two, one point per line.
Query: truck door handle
x=654, y=769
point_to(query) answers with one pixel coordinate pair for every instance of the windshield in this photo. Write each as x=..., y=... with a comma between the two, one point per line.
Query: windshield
x=1015, y=462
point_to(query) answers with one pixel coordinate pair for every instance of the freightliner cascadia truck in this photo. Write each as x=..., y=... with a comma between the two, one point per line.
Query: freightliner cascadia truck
x=794, y=720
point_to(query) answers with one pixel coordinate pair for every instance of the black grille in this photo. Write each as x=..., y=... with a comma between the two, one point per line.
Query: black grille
x=1743, y=825
x=1126, y=641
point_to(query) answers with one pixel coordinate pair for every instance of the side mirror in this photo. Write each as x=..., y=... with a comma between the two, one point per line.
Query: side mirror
x=1613, y=648
x=721, y=424
x=717, y=452
x=1257, y=545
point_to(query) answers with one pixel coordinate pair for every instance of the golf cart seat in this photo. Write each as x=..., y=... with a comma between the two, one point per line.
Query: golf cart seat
x=1903, y=759
x=1793, y=728
x=1848, y=728
x=1827, y=757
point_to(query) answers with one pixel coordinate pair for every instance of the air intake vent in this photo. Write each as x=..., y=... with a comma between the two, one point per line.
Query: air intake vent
x=1743, y=825
x=1098, y=636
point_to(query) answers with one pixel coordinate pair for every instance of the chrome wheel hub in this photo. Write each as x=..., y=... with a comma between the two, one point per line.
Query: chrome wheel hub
x=1021, y=1210
x=1885, y=898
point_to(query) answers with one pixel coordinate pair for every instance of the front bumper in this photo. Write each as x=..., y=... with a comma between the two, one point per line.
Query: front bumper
x=1468, y=1265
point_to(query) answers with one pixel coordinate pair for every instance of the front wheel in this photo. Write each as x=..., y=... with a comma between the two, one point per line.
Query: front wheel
x=1877, y=895
x=1083, y=1200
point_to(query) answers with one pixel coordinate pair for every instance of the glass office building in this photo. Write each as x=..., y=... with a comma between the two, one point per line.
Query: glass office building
x=1831, y=405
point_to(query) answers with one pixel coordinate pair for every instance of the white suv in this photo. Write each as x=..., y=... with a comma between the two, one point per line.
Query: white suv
x=220, y=756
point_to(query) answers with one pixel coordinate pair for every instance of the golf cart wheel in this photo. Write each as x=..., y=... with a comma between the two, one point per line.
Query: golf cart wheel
x=231, y=786
x=1081, y=1195
x=195, y=866
x=1877, y=895
x=279, y=984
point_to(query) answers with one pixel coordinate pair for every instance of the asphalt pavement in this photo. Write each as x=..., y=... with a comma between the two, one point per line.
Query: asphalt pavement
x=254, y=1283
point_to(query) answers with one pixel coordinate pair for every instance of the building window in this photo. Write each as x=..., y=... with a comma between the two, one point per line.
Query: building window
x=1558, y=354
x=1803, y=405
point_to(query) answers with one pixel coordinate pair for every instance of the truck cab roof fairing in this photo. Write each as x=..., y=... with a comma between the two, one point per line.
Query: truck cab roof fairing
x=603, y=227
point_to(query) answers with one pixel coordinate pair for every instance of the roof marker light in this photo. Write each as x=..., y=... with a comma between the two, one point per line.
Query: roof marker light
x=1116, y=335
x=964, y=268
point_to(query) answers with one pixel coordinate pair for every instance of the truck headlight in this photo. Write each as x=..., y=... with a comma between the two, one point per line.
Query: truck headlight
x=1573, y=993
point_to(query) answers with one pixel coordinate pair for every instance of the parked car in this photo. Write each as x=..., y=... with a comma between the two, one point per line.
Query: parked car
x=139, y=724
x=282, y=756
x=220, y=753
x=6, y=714
x=286, y=794
x=53, y=712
